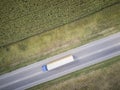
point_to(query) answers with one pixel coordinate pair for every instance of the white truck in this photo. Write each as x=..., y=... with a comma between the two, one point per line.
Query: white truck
x=58, y=63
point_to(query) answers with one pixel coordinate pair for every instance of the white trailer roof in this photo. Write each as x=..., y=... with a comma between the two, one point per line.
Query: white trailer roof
x=60, y=62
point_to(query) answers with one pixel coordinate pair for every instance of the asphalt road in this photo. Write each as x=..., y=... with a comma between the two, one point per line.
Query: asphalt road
x=84, y=56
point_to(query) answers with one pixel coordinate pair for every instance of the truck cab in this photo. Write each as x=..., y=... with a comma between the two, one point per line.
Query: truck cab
x=44, y=68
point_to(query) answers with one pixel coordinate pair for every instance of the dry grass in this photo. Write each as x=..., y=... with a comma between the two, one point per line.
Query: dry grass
x=102, y=79
x=103, y=76
x=72, y=35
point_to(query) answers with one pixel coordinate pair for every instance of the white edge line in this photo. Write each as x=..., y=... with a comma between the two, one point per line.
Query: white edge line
x=5, y=85
x=70, y=70
x=58, y=56
x=101, y=50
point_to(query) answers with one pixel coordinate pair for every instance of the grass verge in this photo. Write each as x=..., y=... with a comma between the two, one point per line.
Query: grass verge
x=102, y=76
x=93, y=27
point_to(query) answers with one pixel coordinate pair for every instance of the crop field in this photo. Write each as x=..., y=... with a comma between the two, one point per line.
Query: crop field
x=44, y=45
x=20, y=19
x=103, y=76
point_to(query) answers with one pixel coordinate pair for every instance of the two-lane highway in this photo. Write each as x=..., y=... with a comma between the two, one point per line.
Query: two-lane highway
x=84, y=56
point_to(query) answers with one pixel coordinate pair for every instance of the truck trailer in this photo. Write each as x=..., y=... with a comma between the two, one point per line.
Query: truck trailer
x=58, y=63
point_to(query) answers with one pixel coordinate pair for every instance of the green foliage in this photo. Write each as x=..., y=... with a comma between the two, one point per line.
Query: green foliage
x=20, y=19
x=61, y=39
x=22, y=46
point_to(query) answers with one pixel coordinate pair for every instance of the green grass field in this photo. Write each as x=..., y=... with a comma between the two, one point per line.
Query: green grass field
x=36, y=48
x=20, y=19
x=32, y=30
x=102, y=76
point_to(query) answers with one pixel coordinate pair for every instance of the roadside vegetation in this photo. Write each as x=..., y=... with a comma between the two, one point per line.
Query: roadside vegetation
x=36, y=48
x=102, y=76
x=20, y=19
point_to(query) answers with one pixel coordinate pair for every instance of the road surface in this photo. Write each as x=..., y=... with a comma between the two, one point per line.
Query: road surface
x=85, y=56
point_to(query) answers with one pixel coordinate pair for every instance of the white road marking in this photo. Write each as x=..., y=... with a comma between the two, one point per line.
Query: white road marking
x=70, y=70
x=108, y=38
x=30, y=76
x=101, y=50
x=27, y=77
